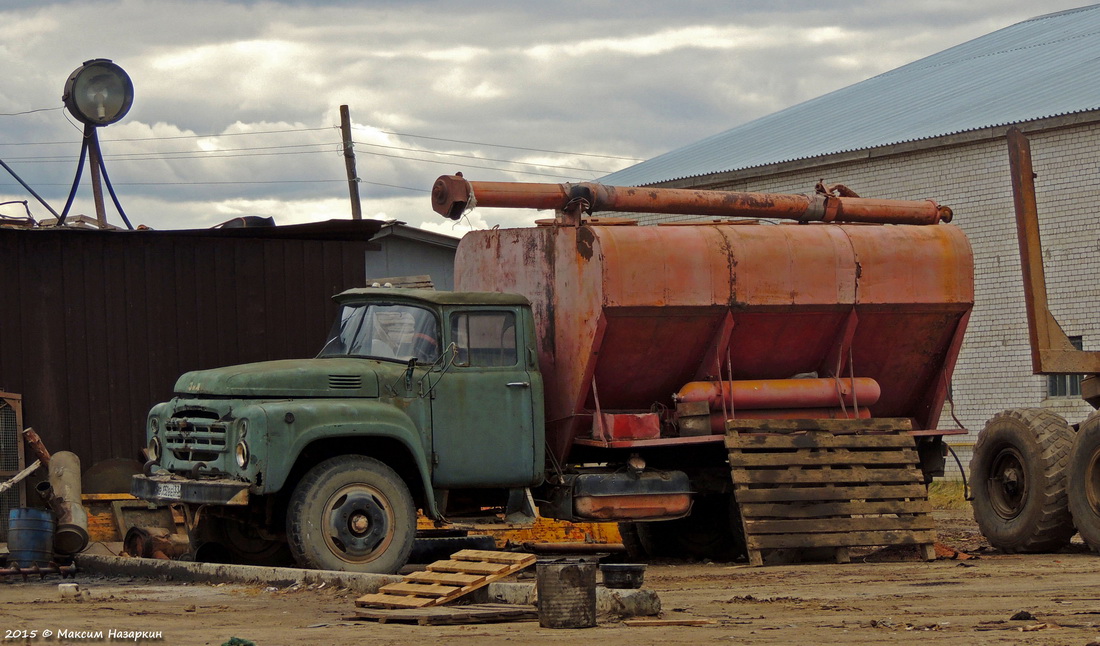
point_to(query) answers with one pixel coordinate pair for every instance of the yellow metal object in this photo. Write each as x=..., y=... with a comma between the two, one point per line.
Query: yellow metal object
x=545, y=530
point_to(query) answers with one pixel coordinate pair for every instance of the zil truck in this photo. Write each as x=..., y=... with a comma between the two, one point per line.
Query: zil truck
x=586, y=369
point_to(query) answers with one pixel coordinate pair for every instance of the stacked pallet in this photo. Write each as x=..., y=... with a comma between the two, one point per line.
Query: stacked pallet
x=404, y=282
x=447, y=580
x=834, y=484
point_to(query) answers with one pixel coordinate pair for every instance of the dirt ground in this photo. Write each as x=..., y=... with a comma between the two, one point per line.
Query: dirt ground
x=885, y=597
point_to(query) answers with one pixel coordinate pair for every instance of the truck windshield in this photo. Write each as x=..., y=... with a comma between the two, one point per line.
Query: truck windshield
x=399, y=332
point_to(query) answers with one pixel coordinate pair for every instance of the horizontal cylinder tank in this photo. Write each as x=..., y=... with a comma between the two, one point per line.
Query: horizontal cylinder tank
x=759, y=394
x=642, y=311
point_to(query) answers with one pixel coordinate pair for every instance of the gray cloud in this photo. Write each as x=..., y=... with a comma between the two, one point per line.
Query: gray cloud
x=627, y=81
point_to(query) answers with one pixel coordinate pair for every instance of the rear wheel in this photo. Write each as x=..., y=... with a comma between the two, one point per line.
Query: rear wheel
x=1084, y=481
x=237, y=541
x=712, y=531
x=1018, y=473
x=351, y=513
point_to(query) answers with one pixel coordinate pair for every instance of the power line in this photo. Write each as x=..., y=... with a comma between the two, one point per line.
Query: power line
x=481, y=143
x=168, y=138
x=192, y=154
x=284, y=181
x=505, y=161
x=298, y=130
x=16, y=114
x=132, y=157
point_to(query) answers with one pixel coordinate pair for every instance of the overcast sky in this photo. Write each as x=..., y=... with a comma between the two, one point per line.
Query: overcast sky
x=237, y=103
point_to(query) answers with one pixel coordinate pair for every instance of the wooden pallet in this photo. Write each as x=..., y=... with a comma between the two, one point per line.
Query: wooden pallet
x=447, y=580
x=800, y=486
x=436, y=616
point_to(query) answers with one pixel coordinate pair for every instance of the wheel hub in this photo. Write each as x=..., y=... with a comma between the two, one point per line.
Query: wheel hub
x=1007, y=484
x=359, y=524
x=1092, y=481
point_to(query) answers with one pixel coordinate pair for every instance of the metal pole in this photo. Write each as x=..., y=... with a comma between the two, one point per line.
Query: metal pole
x=349, y=161
x=97, y=187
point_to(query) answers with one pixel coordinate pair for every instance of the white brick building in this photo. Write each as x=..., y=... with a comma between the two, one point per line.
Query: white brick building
x=936, y=129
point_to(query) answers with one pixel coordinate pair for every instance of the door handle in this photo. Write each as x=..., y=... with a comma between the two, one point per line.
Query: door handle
x=518, y=384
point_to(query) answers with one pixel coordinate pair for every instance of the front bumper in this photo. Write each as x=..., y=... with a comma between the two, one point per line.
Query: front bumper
x=173, y=488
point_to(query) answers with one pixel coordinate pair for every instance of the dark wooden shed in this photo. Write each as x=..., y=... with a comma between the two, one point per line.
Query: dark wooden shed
x=95, y=326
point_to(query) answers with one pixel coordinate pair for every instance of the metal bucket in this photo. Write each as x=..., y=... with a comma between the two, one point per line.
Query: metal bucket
x=625, y=576
x=30, y=537
x=566, y=590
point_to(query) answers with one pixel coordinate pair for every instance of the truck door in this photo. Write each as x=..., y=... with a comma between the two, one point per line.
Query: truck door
x=482, y=406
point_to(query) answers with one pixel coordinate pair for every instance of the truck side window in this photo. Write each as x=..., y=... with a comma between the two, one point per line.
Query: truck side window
x=484, y=339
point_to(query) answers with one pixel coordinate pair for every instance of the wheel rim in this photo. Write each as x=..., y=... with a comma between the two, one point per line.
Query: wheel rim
x=1092, y=481
x=359, y=523
x=1007, y=485
x=244, y=539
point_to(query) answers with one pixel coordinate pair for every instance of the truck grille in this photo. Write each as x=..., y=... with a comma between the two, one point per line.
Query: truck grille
x=195, y=440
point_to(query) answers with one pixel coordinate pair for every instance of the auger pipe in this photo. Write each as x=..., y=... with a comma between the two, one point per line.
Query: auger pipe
x=453, y=195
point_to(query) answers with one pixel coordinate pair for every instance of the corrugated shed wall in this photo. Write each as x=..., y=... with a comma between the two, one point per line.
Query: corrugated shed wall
x=95, y=326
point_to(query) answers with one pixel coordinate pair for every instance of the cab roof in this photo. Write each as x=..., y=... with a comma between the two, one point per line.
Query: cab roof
x=432, y=296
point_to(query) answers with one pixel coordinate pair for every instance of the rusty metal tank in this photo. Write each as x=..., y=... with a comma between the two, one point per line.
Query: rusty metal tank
x=627, y=315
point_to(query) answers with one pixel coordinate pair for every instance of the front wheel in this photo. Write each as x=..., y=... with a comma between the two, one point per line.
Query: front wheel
x=351, y=513
x=1018, y=475
x=1084, y=481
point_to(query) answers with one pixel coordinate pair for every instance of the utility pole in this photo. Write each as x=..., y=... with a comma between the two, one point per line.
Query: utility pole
x=349, y=161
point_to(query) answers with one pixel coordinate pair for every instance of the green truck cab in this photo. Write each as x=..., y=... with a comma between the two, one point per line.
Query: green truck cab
x=412, y=395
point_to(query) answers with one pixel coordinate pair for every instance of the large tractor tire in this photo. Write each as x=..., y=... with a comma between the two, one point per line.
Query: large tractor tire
x=351, y=513
x=1019, y=479
x=1084, y=481
x=711, y=531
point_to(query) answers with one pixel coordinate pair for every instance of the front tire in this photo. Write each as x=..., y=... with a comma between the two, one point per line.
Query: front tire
x=351, y=513
x=1084, y=481
x=1018, y=474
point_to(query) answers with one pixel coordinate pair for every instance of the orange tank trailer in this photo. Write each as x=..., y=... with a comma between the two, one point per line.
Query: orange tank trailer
x=869, y=298
x=634, y=313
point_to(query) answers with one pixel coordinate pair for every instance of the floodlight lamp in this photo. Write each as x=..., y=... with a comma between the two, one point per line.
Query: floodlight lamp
x=98, y=92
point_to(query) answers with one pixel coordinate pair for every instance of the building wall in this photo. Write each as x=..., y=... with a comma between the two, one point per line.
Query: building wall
x=405, y=257
x=96, y=326
x=971, y=175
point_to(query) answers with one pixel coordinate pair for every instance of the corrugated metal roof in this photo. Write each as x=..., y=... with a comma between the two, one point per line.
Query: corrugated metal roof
x=1043, y=67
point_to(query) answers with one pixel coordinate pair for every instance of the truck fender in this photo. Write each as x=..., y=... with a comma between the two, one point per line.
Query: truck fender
x=354, y=421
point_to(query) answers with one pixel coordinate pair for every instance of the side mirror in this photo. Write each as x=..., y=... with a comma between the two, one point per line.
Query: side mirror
x=409, y=373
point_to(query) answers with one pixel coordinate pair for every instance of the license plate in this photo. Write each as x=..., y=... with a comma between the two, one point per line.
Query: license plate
x=169, y=490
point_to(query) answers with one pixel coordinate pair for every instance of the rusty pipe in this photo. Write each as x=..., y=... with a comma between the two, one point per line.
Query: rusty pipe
x=62, y=492
x=34, y=443
x=756, y=394
x=453, y=195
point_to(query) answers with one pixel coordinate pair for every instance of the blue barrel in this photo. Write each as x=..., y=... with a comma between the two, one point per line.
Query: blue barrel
x=30, y=537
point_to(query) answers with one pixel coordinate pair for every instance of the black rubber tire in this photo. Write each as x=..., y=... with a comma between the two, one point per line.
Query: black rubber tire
x=234, y=541
x=351, y=513
x=712, y=531
x=1084, y=481
x=1019, y=478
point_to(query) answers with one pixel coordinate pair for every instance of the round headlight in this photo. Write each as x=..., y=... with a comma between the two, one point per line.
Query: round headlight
x=154, y=448
x=242, y=454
